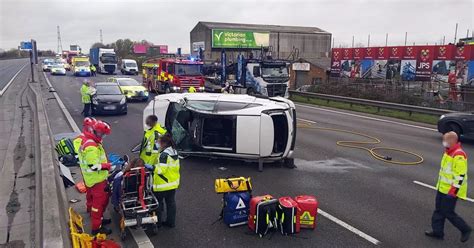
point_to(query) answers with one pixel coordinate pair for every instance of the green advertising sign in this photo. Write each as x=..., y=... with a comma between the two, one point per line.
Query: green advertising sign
x=227, y=38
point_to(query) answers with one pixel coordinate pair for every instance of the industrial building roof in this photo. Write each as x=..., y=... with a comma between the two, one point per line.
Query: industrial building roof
x=261, y=27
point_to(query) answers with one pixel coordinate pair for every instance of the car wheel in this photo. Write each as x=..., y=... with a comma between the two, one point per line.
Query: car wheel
x=454, y=128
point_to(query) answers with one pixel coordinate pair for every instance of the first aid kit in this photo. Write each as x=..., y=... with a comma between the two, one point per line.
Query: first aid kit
x=235, y=209
x=288, y=216
x=308, y=210
x=263, y=214
x=236, y=184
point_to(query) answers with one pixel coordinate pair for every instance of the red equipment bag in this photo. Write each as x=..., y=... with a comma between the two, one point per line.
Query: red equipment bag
x=288, y=216
x=308, y=210
x=263, y=215
x=105, y=244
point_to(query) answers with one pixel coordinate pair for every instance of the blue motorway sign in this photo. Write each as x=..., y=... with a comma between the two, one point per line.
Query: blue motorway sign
x=26, y=45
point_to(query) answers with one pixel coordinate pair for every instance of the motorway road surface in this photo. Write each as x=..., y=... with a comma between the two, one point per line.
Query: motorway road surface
x=377, y=198
x=8, y=68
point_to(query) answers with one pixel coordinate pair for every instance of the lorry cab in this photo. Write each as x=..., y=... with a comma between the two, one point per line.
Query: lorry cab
x=268, y=78
x=219, y=125
x=80, y=66
x=129, y=67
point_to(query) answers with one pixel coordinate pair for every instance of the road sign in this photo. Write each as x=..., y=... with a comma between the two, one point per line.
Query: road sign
x=301, y=67
x=26, y=45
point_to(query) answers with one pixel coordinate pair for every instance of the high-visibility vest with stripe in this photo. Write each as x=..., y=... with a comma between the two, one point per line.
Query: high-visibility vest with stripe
x=92, y=153
x=166, y=172
x=149, y=150
x=85, y=94
x=453, y=173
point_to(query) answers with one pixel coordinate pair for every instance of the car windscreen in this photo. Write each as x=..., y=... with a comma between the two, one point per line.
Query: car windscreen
x=108, y=90
x=275, y=71
x=82, y=63
x=188, y=69
x=128, y=82
x=58, y=66
x=130, y=64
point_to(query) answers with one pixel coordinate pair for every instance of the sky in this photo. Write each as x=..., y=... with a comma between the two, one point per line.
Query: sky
x=169, y=22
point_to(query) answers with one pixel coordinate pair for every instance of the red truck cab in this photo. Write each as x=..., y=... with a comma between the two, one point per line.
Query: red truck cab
x=165, y=75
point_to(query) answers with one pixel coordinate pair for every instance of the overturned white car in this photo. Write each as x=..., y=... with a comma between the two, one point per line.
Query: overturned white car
x=225, y=125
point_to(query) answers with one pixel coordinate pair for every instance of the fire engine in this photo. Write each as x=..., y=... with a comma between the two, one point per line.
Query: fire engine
x=172, y=74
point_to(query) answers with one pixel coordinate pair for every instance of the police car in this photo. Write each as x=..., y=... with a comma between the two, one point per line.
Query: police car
x=230, y=126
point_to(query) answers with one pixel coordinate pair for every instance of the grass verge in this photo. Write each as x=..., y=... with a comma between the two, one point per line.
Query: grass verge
x=423, y=118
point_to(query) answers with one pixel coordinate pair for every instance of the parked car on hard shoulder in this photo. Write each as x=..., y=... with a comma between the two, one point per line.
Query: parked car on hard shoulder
x=129, y=67
x=108, y=99
x=219, y=125
x=131, y=88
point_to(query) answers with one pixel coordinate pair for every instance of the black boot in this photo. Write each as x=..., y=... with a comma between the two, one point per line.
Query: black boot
x=103, y=230
x=434, y=235
x=465, y=236
x=106, y=221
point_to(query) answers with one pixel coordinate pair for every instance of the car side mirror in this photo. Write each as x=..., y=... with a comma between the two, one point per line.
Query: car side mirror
x=256, y=71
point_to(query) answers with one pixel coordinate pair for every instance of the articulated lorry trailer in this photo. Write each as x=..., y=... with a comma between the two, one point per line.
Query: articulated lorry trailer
x=104, y=59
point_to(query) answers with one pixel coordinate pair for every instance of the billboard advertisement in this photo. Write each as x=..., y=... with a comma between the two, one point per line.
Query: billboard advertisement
x=336, y=55
x=229, y=38
x=140, y=48
x=424, y=63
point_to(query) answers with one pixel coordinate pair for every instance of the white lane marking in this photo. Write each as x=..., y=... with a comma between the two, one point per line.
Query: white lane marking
x=304, y=120
x=141, y=238
x=66, y=113
x=367, y=117
x=138, y=235
x=11, y=81
x=434, y=188
x=349, y=227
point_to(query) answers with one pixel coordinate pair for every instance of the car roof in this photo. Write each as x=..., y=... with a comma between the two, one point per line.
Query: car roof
x=106, y=84
x=122, y=78
x=128, y=60
x=271, y=103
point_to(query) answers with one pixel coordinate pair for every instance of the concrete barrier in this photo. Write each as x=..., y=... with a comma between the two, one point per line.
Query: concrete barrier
x=51, y=201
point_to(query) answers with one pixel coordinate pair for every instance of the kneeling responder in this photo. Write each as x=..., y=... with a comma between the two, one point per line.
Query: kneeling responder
x=150, y=148
x=166, y=180
x=95, y=169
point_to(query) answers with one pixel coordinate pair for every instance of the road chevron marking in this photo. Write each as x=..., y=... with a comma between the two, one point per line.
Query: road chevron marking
x=434, y=188
x=349, y=227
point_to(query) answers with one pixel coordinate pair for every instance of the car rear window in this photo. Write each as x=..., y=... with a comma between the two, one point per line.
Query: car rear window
x=108, y=90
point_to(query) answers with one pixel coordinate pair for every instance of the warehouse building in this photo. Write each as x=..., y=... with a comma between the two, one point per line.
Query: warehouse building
x=284, y=42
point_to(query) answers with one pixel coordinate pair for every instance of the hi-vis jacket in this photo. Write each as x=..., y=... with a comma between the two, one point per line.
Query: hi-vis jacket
x=85, y=94
x=92, y=153
x=452, y=178
x=149, y=149
x=166, y=171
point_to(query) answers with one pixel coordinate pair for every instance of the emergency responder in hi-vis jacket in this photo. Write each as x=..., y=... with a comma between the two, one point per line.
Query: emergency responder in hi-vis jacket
x=95, y=169
x=86, y=92
x=87, y=125
x=452, y=184
x=166, y=180
x=149, y=148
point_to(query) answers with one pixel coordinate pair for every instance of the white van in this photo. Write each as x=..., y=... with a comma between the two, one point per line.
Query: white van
x=129, y=66
x=225, y=125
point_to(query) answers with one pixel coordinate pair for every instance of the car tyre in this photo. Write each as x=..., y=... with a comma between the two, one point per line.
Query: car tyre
x=455, y=128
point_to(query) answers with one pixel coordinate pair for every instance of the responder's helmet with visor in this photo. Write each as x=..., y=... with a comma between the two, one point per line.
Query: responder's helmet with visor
x=101, y=129
x=88, y=124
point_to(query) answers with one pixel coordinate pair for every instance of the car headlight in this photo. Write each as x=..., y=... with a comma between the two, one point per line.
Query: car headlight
x=123, y=100
x=94, y=101
x=442, y=116
x=201, y=88
x=175, y=88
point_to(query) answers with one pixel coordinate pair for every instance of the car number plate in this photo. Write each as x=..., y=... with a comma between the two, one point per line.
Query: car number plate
x=110, y=107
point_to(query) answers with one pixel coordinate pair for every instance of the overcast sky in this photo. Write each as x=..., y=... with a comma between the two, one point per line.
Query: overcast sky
x=169, y=22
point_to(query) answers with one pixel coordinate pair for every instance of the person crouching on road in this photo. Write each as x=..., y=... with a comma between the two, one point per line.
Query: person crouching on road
x=149, y=148
x=452, y=184
x=86, y=94
x=95, y=170
x=166, y=180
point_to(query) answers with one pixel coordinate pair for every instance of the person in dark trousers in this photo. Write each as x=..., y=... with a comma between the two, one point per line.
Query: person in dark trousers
x=452, y=184
x=166, y=179
x=86, y=93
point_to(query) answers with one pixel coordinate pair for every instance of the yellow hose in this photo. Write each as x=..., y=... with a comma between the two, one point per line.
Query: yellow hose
x=372, y=141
